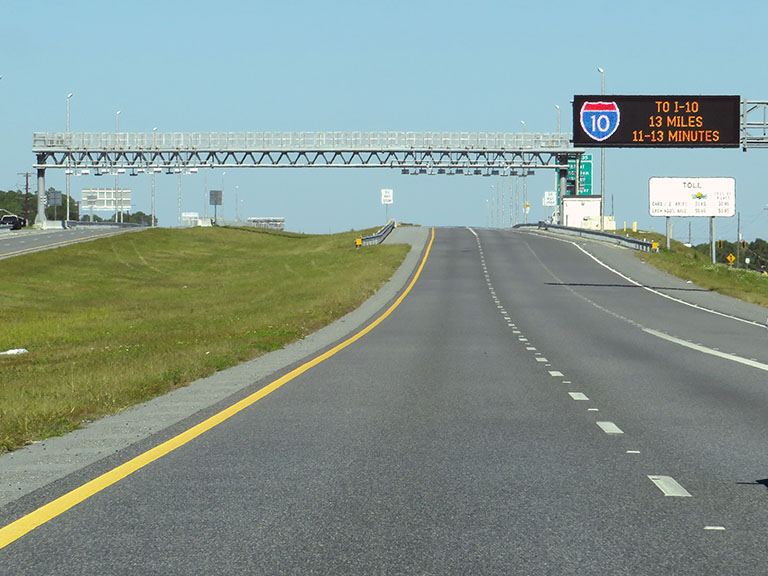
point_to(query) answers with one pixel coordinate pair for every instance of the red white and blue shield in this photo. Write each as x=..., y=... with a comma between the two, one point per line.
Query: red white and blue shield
x=600, y=120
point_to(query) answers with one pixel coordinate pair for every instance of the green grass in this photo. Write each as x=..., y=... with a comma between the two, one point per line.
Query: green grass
x=690, y=264
x=117, y=321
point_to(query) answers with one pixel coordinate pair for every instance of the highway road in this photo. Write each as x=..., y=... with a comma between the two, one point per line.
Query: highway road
x=533, y=405
x=26, y=241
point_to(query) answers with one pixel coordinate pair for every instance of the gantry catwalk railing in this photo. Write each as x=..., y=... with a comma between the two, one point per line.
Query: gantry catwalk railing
x=416, y=152
x=754, y=124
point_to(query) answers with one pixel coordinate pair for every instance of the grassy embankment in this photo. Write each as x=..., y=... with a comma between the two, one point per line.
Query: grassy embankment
x=690, y=264
x=114, y=322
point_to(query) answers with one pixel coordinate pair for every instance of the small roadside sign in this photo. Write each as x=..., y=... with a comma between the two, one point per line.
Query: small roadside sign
x=550, y=198
x=731, y=259
x=387, y=196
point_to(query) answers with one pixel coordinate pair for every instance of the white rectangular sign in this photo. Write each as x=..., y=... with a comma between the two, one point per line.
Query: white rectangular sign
x=386, y=196
x=550, y=198
x=692, y=197
x=105, y=199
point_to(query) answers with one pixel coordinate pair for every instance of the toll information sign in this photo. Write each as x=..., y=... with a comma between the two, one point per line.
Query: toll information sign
x=687, y=197
x=656, y=121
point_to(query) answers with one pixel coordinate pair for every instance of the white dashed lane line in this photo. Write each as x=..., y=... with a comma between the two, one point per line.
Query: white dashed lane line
x=578, y=395
x=609, y=427
x=669, y=486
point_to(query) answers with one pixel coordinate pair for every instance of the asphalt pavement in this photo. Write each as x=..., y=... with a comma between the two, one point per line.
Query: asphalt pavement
x=533, y=405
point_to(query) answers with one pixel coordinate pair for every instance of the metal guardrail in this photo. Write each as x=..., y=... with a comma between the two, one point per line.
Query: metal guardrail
x=642, y=245
x=377, y=238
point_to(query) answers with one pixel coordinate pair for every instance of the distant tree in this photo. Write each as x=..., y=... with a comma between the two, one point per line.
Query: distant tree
x=142, y=218
x=16, y=201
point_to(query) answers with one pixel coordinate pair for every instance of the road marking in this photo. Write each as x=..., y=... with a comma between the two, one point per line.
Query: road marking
x=705, y=350
x=54, y=244
x=592, y=410
x=26, y=524
x=555, y=373
x=609, y=427
x=530, y=347
x=541, y=359
x=669, y=486
x=566, y=381
x=633, y=451
x=658, y=293
x=578, y=395
x=719, y=528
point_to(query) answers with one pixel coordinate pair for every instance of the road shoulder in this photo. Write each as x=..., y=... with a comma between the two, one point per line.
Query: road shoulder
x=32, y=467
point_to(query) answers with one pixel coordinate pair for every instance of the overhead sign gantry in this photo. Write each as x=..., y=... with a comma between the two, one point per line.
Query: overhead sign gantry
x=469, y=153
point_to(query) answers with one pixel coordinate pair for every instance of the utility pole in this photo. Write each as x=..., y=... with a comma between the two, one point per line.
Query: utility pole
x=26, y=195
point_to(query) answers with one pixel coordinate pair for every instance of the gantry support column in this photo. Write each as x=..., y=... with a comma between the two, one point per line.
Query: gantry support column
x=40, y=220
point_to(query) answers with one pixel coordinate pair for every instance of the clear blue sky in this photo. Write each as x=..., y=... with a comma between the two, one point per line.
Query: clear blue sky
x=196, y=66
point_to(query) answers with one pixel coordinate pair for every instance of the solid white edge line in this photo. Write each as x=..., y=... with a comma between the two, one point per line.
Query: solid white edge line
x=705, y=350
x=667, y=296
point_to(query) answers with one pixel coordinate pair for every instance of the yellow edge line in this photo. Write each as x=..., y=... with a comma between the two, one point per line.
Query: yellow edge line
x=62, y=243
x=25, y=524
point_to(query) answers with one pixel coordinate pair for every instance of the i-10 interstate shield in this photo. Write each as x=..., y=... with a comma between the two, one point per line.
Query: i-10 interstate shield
x=600, y=120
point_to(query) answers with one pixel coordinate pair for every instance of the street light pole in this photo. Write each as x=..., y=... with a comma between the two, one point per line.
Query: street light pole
x=557, y=107
x=154, y=144
x=68, y=159
x=525, y=184
x=118, y=203
x=602, y=161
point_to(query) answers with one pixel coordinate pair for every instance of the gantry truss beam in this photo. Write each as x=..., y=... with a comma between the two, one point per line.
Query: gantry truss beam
x=419, y=153
x=754, y=124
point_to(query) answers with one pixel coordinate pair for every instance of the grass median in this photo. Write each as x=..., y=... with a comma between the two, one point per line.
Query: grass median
x=114, y=322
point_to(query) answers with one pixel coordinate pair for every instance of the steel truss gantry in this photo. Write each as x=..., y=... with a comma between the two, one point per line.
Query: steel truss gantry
x=471, y=153
x=754, y=124
x=423, y=153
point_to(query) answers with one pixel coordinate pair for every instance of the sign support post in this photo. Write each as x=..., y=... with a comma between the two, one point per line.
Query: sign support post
x=387, y=198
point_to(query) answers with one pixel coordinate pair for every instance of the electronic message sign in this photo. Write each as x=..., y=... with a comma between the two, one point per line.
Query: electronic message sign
x=656, y=121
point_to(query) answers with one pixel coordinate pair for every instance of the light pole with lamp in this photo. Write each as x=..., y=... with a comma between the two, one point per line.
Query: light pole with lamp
x=602, y=161
x=222, y=193
x=493, y=206
x=117, y=174
x=154, y=145
x=525, y=184
x=557, y=107
x=68, y=170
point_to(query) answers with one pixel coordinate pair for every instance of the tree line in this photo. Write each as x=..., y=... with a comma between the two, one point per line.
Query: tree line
x=25, y=205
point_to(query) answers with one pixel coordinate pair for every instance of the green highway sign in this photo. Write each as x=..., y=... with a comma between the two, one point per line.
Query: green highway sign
x=585, y=177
